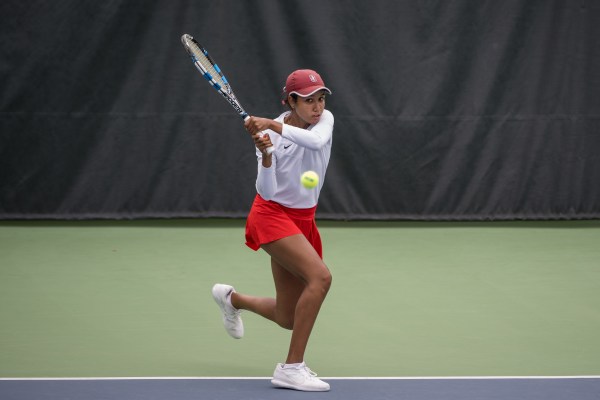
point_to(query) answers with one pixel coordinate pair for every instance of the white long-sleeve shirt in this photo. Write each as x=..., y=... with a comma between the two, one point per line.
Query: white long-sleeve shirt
x=297, y=150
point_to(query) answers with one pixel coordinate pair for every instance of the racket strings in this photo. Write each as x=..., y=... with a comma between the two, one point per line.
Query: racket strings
x=211, y=72
x=207, y=65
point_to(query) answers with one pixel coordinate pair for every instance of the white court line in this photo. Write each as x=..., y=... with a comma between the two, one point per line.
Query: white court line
x=408, y=378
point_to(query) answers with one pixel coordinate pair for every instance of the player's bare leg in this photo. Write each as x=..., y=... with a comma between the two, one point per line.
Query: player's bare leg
x=301, y=282
x=280, y=310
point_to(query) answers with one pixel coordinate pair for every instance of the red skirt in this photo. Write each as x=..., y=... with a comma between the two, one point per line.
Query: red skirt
x=269, y=221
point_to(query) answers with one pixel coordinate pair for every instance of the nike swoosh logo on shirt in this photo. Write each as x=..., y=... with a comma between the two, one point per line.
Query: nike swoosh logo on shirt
x=285, y=147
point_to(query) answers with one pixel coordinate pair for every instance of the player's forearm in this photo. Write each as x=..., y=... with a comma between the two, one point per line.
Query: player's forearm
x=318, y=136
x=267, y=160
x=276, y=127
x=266, y=184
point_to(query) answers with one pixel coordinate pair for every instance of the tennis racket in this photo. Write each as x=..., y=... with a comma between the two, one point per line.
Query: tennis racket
x=213, y=74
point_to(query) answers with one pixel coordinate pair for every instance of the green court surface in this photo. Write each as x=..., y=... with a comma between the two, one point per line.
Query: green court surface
x=132, y=298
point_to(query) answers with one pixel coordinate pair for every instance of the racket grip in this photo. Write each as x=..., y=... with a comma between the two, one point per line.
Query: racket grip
x=269, y=149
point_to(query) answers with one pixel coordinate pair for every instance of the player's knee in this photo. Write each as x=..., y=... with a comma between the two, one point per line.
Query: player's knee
x=323, y=281
x=327, y=279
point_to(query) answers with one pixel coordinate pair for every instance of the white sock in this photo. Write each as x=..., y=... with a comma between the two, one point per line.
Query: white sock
x=228, y=300
x=295, y=366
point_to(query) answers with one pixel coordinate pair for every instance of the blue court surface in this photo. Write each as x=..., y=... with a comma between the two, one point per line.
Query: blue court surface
x=493, y=388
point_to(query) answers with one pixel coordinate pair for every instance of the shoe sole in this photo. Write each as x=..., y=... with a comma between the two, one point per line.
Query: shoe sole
x=284, y=385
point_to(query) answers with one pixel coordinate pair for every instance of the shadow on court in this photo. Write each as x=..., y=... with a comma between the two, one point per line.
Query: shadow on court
x=261, y=389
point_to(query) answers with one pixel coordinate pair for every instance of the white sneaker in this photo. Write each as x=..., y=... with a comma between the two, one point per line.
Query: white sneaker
x=231, y=316
x=298, y=378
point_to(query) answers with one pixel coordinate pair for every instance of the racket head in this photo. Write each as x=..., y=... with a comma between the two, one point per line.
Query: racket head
x=212, y=73
x=205, y=64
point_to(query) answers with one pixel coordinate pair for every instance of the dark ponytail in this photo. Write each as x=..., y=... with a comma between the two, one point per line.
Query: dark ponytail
x=287, y=103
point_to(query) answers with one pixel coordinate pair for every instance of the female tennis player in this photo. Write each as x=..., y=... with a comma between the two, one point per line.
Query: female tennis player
x=282, y=223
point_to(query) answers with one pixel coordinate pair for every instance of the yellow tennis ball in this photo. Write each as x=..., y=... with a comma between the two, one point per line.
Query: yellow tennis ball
x=309, y=179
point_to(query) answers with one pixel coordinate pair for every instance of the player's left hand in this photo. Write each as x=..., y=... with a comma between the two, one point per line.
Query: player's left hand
x=262, y=141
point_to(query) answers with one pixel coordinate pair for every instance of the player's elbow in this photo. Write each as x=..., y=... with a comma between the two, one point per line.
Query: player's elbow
x=318, y=144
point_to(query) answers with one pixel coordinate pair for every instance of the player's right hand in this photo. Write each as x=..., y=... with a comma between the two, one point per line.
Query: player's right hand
x=257, y=124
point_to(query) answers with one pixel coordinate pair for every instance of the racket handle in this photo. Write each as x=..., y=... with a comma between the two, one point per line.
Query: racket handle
x=269, y=149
